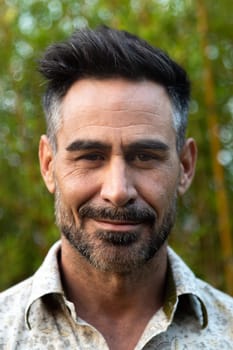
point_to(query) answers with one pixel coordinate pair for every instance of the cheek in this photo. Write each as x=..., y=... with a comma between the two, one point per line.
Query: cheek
x=75, y=191
x=159, y=191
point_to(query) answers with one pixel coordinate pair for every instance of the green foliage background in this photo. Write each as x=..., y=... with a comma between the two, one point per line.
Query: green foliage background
x=26, y=209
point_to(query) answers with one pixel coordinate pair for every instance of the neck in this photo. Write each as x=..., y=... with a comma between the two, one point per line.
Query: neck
x=118, y=306
x=92, y=290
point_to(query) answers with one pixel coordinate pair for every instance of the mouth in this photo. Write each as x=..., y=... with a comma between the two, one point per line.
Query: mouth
x=130, y=219
x=116, y=225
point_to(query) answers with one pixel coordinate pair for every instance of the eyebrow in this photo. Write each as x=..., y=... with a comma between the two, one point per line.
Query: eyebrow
x=155, y=145
x=81, y=145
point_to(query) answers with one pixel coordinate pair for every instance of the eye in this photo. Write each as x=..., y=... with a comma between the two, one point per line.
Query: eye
x=92, y=157
x=144, y=157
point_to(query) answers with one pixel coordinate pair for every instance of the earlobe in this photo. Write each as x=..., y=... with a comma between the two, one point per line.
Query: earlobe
x=46, y=158
x=187, y=163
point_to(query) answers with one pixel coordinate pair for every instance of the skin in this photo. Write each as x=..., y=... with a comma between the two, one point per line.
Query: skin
x=116, y=149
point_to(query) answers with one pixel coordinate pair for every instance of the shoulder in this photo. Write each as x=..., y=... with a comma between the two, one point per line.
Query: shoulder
x=219, y=315
x=213, y=308
x=219, y=305
x=13, y=302
x=16, y=291
x=186, y=282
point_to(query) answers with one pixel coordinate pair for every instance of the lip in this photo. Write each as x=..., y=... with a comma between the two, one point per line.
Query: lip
x=116, y=225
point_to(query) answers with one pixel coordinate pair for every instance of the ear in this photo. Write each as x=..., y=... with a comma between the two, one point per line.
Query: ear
x=188, y=158
x=46, y=158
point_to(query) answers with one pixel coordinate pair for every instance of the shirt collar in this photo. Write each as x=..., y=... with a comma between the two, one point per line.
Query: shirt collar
x=185, y=283
x=46, y=280
x=181, y=282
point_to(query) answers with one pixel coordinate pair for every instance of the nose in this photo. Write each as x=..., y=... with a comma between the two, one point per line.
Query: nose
x=117, y=186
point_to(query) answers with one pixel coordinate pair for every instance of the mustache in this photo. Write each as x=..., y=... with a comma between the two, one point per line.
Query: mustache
x=132, y=213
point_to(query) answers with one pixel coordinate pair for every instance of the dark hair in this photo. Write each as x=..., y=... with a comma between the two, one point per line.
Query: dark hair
x=108, y=53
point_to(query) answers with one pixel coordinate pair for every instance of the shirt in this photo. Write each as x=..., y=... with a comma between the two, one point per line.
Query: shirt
x=35, y=314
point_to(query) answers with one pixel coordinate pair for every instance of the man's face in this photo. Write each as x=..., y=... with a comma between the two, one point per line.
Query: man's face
x=116, y=172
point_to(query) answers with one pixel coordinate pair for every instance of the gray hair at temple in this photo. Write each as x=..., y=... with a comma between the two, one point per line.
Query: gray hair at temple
x=106, y=53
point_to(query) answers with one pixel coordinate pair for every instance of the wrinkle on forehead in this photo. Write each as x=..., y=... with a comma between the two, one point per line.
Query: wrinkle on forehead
x=116, y=95
x=117, y=119
x=110, y=106
x=103, y=126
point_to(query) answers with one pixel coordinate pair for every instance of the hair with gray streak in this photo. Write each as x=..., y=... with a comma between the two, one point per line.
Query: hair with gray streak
x=109, y=53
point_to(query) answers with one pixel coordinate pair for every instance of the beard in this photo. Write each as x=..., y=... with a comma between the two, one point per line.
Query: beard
x=115, y=251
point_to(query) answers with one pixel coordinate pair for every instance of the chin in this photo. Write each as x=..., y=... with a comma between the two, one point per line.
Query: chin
x=120, y=260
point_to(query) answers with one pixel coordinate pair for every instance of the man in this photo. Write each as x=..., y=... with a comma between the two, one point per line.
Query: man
x=116, y=158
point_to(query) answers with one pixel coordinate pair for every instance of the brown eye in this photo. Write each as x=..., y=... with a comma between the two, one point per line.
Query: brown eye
x=91, y=157
x=144, y=157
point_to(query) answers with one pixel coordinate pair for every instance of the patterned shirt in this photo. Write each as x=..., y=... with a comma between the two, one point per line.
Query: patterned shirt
x=35, y=314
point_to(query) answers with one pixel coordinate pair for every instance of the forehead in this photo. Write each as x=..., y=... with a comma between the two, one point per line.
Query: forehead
x=112, y=107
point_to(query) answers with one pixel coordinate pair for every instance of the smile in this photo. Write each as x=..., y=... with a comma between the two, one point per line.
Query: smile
x=114, y=225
